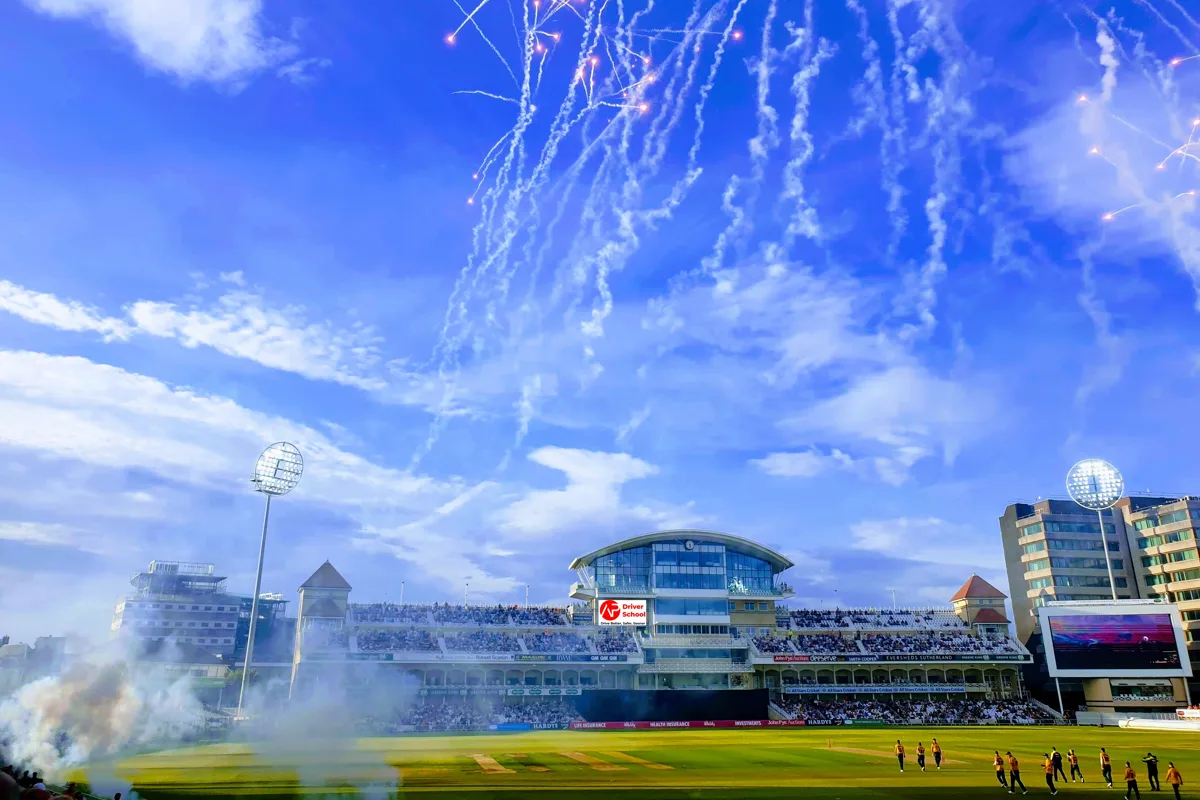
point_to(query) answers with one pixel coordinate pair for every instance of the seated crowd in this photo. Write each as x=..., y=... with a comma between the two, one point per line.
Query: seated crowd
x=408, y=640
x=873, y=619
x=923, y=712
x=556, y=643
x=543, y=617
x=390, y=613
x=479, y=714
x=482, y=642
x=936, y=643
x=30, y=785
x=609, y=641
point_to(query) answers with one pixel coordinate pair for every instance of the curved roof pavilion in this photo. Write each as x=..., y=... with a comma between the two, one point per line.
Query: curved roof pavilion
x=737, y=544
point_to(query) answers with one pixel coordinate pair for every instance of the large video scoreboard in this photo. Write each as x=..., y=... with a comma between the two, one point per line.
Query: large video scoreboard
x=1114, y=640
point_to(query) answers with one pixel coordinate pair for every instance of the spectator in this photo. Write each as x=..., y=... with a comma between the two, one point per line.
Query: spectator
x=556, y=643
x=482, y=642
x=618, y=641
x=410, y=641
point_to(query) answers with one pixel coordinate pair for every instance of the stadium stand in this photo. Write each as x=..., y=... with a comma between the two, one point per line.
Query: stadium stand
x=556, y=643
x=609, y=641
x=411, y=640
x=482, y=642
x=924, y=712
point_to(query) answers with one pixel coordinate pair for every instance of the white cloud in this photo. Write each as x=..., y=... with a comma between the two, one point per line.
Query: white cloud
x=804, y=464
x=209, y=40
x=236, y=278
x=47, y=533
x=593, y=492
x=240, y=324
x=73, y=408
x=929, y=540
x=905, y=410
x=67, y=315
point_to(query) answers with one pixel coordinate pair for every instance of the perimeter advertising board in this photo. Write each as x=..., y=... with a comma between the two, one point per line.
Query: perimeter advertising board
x=1114, y=640
x=622, y=612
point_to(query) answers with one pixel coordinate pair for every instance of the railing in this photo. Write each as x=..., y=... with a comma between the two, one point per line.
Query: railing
x=688, y=665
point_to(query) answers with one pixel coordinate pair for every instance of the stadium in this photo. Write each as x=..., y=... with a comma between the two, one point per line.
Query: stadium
x=678, y=667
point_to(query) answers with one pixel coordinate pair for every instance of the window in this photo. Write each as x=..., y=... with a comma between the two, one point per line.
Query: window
x=195, y=608
x=1186, y=575
x=747, y=573
x=203, y=624
x=1156, y=580
x=764, y=606
x=1187, y=594
x=1085, y=563
x=208, y=608
x=1087, y=580
x=1153, y=561
x=1184, y=535
x=1080, y=544
x=1149, y=541
x=1079, y=527
x=690, y=606
x=1034, y=547
x=1174, y=516
x=732, y=606
x=1029, y=530
x=748, y=606
x=1190, y=615
x=670, y=652
x=624, y=571
x=1039, y=583
x=1034, y=566
x=1148, y=522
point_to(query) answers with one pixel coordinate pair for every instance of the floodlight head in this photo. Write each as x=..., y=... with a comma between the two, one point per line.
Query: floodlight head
x=1095, y=484
x=278, y=469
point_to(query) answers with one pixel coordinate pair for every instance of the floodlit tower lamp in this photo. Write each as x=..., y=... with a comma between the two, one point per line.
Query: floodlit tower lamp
x=1097, y=485
x=276, y=473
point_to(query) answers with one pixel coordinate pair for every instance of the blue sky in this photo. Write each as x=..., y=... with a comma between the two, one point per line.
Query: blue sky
x=833, y=276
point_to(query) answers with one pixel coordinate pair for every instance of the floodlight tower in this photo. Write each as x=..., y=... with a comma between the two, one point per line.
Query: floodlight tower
x=1096, y=484
x=276, y=473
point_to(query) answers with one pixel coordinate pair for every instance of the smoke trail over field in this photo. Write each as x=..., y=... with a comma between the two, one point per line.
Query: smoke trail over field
x=92, y=710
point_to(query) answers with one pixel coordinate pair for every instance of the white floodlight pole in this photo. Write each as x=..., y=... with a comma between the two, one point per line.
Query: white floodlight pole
x=1097, y=485
x=276, y=473
x=262, y=549
x=1107, y=556
x=466, y=589
x=527, y=595
x=401, y=592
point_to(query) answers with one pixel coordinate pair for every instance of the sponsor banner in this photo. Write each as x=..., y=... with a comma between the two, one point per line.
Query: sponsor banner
x=511, y=726
x=622, y=612
x=861, y=722
x=573, y=657
x=344, y=656
x=500, y=691
x=1187, y=713
x=719, y=723
x=548, y=726
x=894, y=657
x=833, y=688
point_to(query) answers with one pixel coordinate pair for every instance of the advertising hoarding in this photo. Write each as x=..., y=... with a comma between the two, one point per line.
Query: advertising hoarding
x=622, y=612
x=1114, y=640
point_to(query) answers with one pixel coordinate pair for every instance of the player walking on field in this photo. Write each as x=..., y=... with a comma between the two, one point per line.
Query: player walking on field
x=1106, y=767
x=900, y=754
x=1152, y=772
x=1073, y=760
x=998, y=763
x=1014, y=774
x=937, y=754
x=1131, y=787
x=1174, y=778
x=921, y=755
x=1056, y=757
x=1049, y=767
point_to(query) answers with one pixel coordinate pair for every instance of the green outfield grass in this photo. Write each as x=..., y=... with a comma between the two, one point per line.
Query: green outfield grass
x=820, y=763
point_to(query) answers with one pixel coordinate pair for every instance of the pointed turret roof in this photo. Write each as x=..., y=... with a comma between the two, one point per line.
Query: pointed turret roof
x=976, y=587
x=326, y=577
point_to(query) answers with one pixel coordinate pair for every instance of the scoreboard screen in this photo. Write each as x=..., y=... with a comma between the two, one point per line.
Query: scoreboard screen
x=1110, y=641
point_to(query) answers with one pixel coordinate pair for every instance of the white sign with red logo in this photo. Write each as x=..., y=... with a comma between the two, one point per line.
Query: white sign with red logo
x=622, y=612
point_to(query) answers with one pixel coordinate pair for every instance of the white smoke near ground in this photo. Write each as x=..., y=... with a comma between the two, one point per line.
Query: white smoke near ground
x=95, y=709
